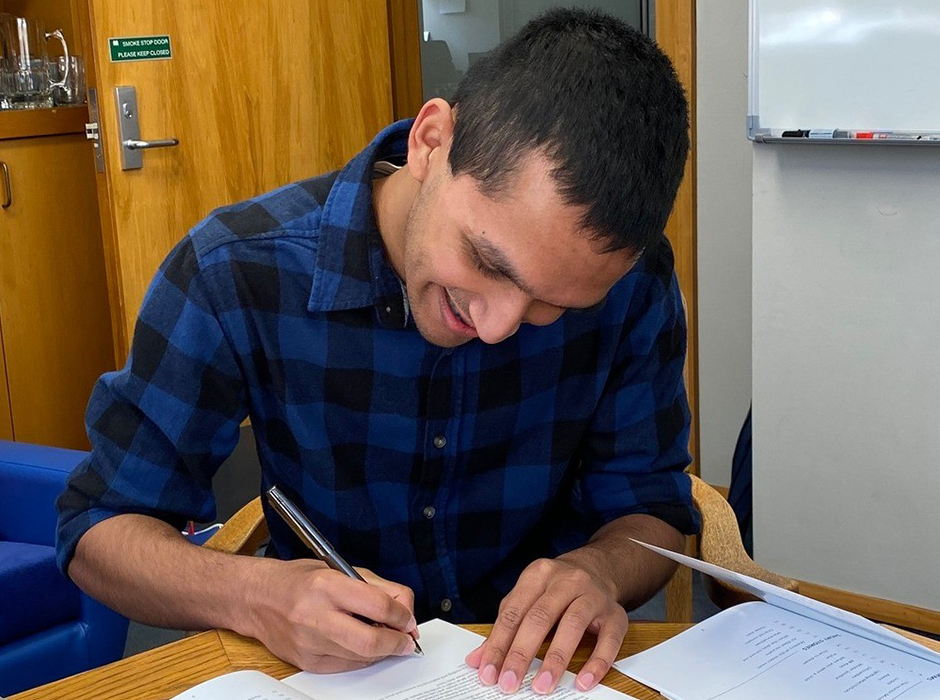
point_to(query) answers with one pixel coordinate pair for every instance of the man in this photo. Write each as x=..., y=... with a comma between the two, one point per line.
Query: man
x=462, y=357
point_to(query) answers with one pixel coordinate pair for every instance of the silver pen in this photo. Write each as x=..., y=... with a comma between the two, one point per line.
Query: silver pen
x=318, y=544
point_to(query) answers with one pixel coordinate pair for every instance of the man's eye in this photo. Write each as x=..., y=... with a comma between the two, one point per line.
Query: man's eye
x=485, y=269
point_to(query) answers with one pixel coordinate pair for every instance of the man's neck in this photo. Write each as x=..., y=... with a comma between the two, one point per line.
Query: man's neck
x=392, y=197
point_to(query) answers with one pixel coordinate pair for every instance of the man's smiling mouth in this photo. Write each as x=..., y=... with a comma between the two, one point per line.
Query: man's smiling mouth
x=455, y=310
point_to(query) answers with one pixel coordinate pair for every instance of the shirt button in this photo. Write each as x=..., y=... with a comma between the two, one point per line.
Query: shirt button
x=429, y=512
x=446, y=605
x=440, y=441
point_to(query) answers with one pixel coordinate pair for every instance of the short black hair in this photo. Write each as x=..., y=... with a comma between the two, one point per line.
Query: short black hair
x=604, y=104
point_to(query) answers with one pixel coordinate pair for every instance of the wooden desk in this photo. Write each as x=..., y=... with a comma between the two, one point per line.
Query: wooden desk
x=166, y=671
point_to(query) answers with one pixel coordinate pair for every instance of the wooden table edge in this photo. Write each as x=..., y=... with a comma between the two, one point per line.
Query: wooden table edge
x=166, y=671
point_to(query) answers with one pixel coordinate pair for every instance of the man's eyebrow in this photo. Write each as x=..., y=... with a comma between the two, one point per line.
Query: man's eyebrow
x=496, y=259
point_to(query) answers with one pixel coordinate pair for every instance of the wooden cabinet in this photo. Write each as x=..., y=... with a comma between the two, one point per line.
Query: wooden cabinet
x=6, y=419
x=54, y=315
x=258, y=94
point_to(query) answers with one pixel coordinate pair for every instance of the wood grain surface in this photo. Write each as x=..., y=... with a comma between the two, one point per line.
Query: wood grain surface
x=675, y=33
x=53, y=293
x=161, y=673
x=6, y=418
x=259, y=94
x=24, y=123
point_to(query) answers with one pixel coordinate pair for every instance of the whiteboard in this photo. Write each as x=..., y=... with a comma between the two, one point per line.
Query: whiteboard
x=844, y=64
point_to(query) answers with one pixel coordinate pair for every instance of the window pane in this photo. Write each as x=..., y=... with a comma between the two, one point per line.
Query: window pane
x=455, y=33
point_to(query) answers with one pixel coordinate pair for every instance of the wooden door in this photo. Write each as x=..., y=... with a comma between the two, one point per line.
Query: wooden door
x=675, y=33
x=259, y=94
x=53, y=294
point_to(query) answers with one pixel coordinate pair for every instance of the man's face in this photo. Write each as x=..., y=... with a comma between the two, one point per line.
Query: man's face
x=475, y=266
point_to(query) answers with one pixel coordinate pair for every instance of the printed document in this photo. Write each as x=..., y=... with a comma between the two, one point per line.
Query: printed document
x=787, y=647
x=440, y=675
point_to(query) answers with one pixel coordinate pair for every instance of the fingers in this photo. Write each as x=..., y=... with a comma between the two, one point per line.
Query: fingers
x=402, y=594
x=360, y=640
x=313, y=617
x=505, y=658
x=474, y=657
x=609, y=640
x=571, y=629
x=550, y=593
x=372, y=601
x=535, y=627
x=339, y=642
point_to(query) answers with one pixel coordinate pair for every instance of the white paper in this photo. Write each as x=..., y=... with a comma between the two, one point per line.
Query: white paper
x=801, y=605
x=758, y=651
x=440, y=675
x=242, y=685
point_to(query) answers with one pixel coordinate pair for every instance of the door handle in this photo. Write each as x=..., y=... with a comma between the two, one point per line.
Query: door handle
x=7, y=190
x=132, y=146
x=135, y=144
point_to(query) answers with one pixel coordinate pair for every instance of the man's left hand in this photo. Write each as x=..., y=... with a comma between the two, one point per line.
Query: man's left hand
x=568, y=592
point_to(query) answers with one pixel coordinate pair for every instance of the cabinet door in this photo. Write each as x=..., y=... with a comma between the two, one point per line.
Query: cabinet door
x=259, y=94
x=6, y=420
x=53, y=292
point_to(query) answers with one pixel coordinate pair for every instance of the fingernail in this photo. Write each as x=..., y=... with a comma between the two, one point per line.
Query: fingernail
x=586, y=681
x=508, y=682
x=411, y=626
x=542, y=683
x=409, y=648
x=488, y=675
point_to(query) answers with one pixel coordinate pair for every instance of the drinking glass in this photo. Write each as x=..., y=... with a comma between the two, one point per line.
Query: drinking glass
x=25, y=63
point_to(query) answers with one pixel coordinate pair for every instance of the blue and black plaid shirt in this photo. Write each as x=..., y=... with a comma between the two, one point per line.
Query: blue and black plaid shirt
x=448, y=470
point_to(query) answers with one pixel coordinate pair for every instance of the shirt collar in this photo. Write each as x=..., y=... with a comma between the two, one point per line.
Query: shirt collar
x=352, y=270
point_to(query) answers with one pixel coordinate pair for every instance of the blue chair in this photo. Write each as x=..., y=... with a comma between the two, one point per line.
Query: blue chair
x=49, y=629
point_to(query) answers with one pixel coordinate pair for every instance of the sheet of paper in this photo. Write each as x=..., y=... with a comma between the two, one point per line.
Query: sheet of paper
x=801, y=605
x=757, y=650
x=242, y=685
x=440, y=675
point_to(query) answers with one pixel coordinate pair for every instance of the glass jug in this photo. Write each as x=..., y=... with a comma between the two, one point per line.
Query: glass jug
x=25, y=68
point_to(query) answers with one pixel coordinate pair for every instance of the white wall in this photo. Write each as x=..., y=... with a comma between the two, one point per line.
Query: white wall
x=846, y=367
x=724, y=232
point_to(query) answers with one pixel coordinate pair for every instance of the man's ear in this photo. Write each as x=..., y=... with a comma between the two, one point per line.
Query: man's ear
x=430, y=137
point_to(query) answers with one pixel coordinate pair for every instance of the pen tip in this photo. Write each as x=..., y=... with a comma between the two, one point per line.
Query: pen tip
x=418, y=650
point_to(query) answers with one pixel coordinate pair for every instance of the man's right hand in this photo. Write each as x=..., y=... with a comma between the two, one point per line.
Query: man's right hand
x=303, y=612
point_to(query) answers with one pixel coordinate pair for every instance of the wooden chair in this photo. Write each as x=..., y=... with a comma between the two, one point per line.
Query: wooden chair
x=719, y=543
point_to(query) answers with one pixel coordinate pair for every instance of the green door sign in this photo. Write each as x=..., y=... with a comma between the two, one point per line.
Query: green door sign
x=140, y=48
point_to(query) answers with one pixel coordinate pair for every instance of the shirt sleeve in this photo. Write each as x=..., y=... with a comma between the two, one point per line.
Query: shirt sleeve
x=160, y=427
x=637, y=447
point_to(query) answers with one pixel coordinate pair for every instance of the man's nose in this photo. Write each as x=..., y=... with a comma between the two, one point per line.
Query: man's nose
x=498, y=316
